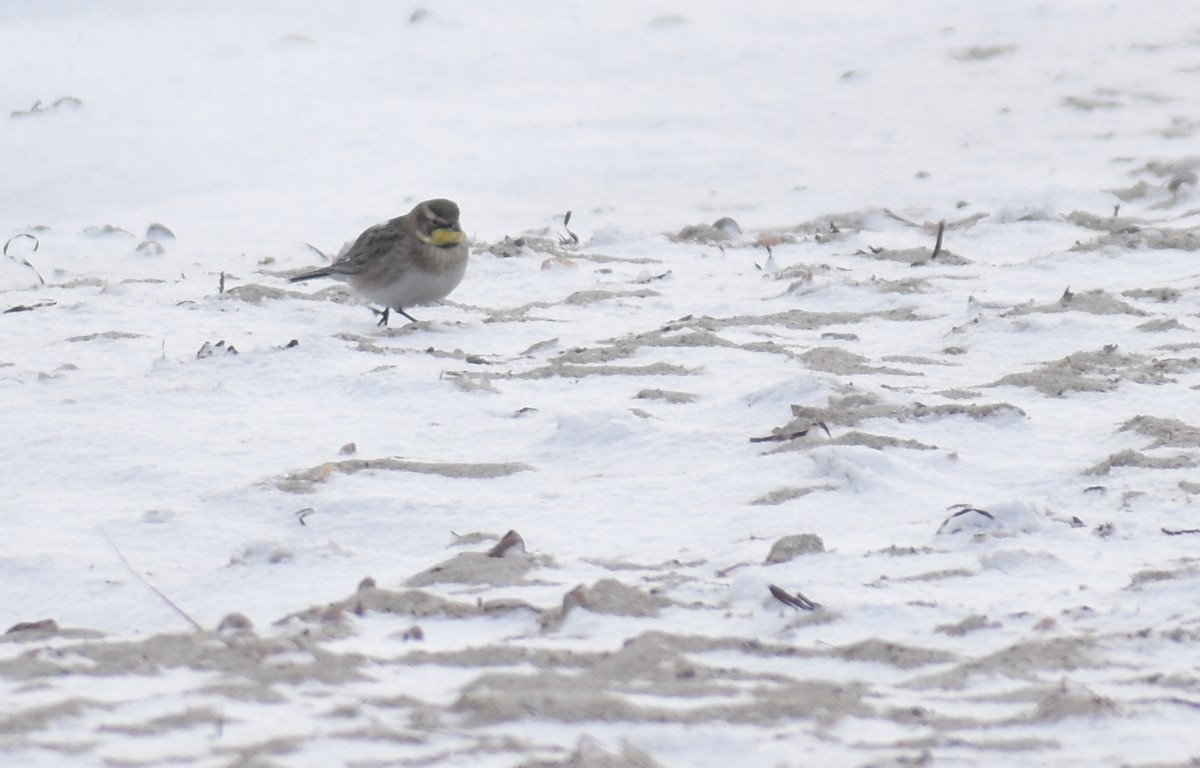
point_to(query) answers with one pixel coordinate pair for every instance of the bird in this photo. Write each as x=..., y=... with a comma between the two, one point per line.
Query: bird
x=417, y=258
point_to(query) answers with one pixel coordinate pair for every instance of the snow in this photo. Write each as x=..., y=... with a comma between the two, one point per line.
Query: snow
x=644, y=408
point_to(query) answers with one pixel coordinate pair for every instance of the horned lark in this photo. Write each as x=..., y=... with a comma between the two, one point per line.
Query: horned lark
x=417, y=258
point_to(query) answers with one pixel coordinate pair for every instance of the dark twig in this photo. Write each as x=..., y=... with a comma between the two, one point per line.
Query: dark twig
x=770, y=255
x=1180, y=531
x=571, y=238
x=319, y=252
x=153, y=588
x=36, y=244
x=900, y=218
x=796, y=601
x=937, y=247
x=30, y=307
x=967, y=510
x=221, y=284
x=785, y=436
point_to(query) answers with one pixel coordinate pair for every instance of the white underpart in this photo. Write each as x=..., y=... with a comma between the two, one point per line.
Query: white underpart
x=416, y=288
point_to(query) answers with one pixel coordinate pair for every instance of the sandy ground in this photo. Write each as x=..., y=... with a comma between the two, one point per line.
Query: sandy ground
x=833, y=484
x=1033, y=633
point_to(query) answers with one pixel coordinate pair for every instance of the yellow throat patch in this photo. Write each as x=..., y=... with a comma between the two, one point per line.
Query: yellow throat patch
x=444, y=237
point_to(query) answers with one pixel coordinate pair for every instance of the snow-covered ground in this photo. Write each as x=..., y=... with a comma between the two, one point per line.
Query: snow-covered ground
x=800, y=493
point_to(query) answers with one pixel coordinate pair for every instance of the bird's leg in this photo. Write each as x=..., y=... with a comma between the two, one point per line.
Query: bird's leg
x=383, y=316
x=410, y=317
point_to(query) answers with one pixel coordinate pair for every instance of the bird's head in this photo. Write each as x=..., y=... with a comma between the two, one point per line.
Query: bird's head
x=437, y=223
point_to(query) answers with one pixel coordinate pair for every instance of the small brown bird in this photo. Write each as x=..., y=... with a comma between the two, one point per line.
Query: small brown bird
x=417, y=258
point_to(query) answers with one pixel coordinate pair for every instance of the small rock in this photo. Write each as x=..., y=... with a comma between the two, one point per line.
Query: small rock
x=559, y=261
x=43, y=625
x=413, y=633
x=728, y=226
x=235, y=622
x=789, y=547
x=209, y=349
x=707, y=234
x=106, y=231
x=512, y=545
x=159, y=232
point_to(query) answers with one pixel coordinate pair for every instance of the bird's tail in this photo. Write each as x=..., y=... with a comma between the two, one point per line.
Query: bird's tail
x=310, y=275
